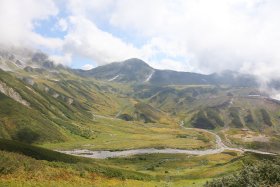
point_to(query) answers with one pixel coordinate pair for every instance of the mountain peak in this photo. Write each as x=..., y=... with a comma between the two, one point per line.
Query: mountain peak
x=130, y=70
x=135, y=65
x=136, y=62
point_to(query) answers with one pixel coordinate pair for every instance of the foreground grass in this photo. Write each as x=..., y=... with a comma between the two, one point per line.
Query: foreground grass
x=172, y=167
x=20, y=170
x=260, y=173
x=22, y=152
x=26, y=165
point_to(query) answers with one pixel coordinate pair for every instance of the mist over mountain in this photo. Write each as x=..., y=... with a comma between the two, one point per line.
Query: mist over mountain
x=134, y=71
x=126, y=108
x=12, y=59
x=139, y=93
x=138, y=71
x=240, y=36
x=129, y=71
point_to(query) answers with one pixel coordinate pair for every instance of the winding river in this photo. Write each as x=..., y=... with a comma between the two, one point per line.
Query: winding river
x=220, y=147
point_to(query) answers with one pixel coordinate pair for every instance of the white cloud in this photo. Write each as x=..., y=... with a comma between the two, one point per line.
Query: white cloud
x=65, y=59
x=208, y=35
x=212, y=35
x=86, y=39
x=90, y=9
x=167, y=64
x=87, y=66
x=62, y=24
x=17, y=21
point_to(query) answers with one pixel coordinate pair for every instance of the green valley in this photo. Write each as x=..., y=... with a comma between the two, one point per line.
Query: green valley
x=175, y=132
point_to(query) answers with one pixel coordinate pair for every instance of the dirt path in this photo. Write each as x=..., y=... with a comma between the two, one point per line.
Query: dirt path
x=221, y=146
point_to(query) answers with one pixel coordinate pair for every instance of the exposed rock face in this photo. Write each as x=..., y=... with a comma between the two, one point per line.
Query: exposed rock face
x=70, y=101
x=46, y=89
x=10, y=92
x=55, y=95
x=28, y=81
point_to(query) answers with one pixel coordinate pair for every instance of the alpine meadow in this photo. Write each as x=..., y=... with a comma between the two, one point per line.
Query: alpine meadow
x=139, y=93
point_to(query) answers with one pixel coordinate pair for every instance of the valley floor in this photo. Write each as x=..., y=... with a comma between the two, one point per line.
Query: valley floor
x=139, y=170
x=122, y=132
x=213, y=159
x=193, y=168
x=115, y=135
x=218, y=146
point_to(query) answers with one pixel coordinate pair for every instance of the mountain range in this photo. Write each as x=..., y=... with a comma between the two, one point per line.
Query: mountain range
x=137, y=71
x=130, y=105
x=129, y=71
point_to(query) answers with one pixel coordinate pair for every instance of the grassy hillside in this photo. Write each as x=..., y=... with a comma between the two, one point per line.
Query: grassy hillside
x=141, y=111
x=58, y=109
x=88, y=121
x=25, y=124
x=260, y=173
x=22, y=164
x=241, y=118
x=79, y=109
x=45, y=108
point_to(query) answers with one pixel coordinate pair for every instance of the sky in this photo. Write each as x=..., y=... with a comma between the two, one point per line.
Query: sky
x=185, y=35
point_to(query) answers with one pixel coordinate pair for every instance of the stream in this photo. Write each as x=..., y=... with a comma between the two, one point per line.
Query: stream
x=220, y=147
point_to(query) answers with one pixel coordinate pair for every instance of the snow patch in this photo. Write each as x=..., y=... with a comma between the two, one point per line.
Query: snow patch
x=150, y=76
x=114, y=78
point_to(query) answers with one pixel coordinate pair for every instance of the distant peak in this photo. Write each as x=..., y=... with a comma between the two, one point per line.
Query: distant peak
x=136, y=61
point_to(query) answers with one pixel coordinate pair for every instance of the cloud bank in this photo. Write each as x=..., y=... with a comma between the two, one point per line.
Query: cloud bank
x=19, y=18
x=187, y=35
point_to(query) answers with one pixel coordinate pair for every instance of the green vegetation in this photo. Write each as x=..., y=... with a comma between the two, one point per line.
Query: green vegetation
x=258, y=173
x=126, y=117
x=236, y=121
x=35, y=152
x=249, y=118
x=26, y=135
x=16, y=120
x=27, y=165
x=214, y=116
x=179, y=166
x=27, y=160
x=60, y=159
x=208, y=119
x=69, y=111
x=115, y=134
x=201, y=121
x=266, y=117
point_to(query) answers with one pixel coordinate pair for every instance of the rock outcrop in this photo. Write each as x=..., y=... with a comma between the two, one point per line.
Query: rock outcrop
x=10, y=92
